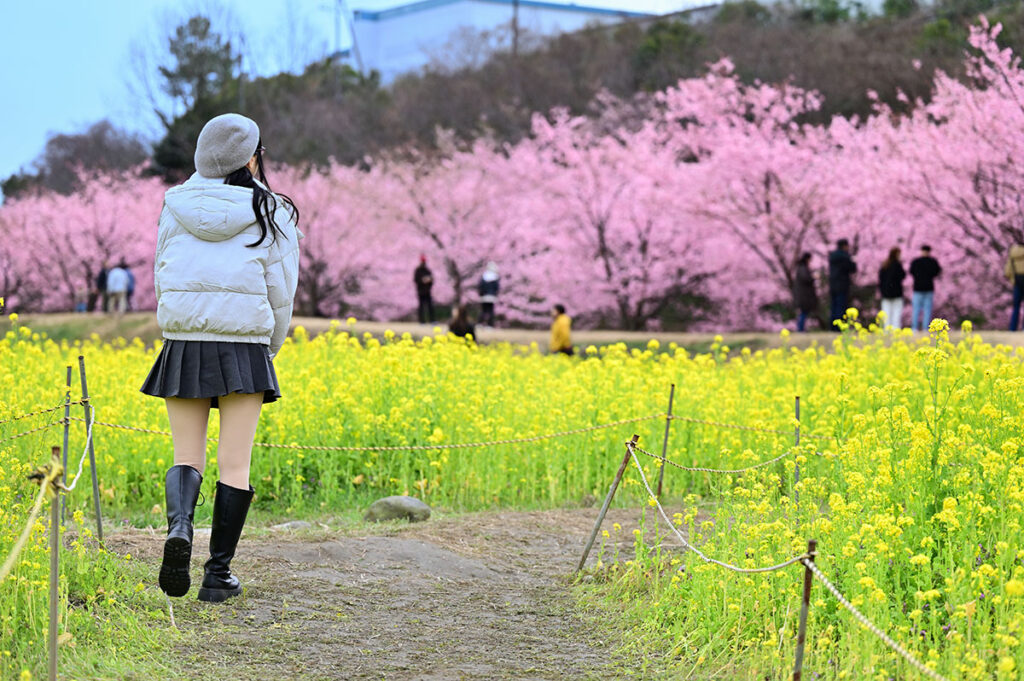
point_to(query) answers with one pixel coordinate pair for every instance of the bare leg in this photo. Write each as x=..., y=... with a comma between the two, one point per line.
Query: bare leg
x=239, y=416
x=188, y=419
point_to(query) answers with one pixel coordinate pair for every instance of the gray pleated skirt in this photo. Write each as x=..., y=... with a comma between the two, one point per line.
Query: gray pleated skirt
x=211, y=369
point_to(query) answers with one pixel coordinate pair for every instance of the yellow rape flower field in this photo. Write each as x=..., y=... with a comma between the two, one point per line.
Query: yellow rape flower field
x=910, y=479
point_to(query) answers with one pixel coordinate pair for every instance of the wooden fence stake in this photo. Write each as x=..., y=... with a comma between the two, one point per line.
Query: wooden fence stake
x=54, y=568
x=92, y=452
x=805, y=605
x=664, y=446
x=607, y=501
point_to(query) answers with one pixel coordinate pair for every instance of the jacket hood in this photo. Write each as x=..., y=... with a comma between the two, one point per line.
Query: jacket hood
x=209, y=209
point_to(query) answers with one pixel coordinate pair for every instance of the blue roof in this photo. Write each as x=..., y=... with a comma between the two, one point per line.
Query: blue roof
x=412, y=7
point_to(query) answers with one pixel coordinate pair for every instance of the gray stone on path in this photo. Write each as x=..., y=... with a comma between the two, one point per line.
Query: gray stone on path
x=293, y=525
x=397, y=508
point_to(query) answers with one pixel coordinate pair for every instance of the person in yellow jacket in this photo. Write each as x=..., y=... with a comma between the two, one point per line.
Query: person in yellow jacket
x=561, y=331
x=1014, y=272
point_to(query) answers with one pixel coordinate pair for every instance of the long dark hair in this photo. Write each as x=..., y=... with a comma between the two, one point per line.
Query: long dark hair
x=894, y=258
x=264, y=201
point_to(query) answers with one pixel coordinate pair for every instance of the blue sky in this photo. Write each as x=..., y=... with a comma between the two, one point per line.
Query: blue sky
x=68, y=63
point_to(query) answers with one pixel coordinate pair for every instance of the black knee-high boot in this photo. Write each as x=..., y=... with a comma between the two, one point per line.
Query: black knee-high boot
x=230, y=508
x=182, y=492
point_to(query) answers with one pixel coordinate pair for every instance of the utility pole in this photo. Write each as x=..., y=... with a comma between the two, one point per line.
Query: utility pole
x=341, y=7
x=515, y=29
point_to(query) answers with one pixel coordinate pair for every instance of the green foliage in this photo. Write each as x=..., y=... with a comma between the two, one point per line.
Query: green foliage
x=204, y=62
x=899, y=8
x=665, y=45
x=743, y=11
x=942, y=35
x=16, y=184
x=201, y=79
x=825, y=11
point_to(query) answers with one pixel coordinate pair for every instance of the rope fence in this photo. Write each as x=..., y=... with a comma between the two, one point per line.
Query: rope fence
x=47, y=483
x=397, y=448
x=871, y=626
x=690, y=547
x=49, y=479
x=38, y=412
x=486, y=443
x=699, y=469
x=30, y=432
x=738, y=426
x=805, y=559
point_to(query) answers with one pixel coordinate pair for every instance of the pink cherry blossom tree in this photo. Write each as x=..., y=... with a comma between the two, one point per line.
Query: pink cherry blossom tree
x=53, y=246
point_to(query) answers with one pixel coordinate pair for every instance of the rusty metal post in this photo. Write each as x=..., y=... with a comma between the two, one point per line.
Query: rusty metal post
x=67, y=428
x=664, y=446
x=92, y=453
x=805, y=605
x=54, y=569
x=607, y=501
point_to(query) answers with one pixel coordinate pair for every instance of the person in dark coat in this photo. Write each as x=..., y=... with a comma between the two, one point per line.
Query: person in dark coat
x=924, y=269
x=841, y=268
x=460, y=324
x=100, y=292
x=890, y=288
x=804, y=293
x=488, y=289
x=1014, y=271
x=424, y=280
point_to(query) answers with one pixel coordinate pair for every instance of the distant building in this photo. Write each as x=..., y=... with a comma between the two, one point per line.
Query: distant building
x=405, y=38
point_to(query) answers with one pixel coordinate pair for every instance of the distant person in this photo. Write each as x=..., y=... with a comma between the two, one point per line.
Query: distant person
x=924, y=269
x=561, y=331
x=131, y=283
x=81, y=299
x=1014, y=271
x=117, y=289
x=890, y=288
x=100, y=293
x=488, y=290
x=841, y=268
x=424, y=280
x=460, y=324
x=804, y=293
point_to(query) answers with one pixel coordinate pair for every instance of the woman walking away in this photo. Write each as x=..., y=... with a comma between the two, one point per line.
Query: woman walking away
x=890, y=287
x=227, y=264
x=804, y=294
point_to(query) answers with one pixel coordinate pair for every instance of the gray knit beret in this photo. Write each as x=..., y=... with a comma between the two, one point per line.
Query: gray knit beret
x=226, y=143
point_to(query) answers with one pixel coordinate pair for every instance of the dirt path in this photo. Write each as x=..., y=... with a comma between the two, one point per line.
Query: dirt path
x=483, y=596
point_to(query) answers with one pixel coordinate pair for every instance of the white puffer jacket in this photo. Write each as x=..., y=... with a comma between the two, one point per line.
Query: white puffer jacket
x=210, y=286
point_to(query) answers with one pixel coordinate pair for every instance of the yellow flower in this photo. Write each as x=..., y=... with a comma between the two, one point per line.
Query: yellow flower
x=1015, y=588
